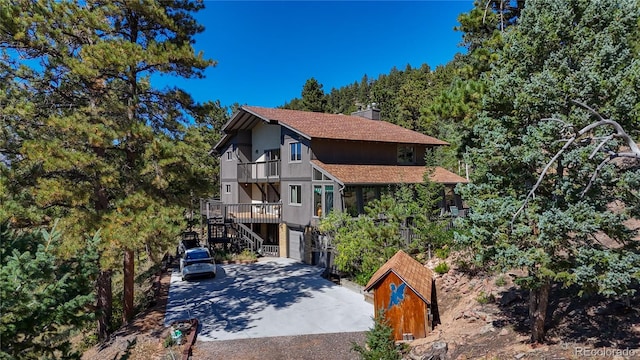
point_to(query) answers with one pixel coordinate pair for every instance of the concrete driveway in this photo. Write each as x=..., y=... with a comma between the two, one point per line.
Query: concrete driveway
x=273, y=297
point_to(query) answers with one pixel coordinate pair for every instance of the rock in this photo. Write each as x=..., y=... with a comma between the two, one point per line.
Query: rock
x=440, y=346
x=438, y=351
x=509, y=298
x=504, y=332
x=520, y=356
x=482, y=315
x=487, y=328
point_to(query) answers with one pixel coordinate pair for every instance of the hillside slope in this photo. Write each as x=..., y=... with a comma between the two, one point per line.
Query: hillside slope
x=486, y=317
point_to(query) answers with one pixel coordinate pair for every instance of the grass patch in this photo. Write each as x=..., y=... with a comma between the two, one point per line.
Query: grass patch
x=484, y=298
x=442, y=253
x=501, y=280
x=442, y=268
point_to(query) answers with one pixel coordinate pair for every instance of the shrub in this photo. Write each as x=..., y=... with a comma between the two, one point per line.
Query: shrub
x=442, y=268
x=380, y=343
x=484, y=298
x=246, y=254
x=169, y=341
x=501, y=280
x=442, y=253
x=221, y=256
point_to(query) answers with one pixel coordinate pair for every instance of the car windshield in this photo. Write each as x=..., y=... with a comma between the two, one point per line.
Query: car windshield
x=195, y=255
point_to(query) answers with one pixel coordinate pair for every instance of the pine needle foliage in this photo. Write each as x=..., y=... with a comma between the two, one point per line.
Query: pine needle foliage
x=380, y=344
x=46, y=294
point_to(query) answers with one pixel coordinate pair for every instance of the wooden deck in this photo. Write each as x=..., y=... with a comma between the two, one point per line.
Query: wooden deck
x=254, y=213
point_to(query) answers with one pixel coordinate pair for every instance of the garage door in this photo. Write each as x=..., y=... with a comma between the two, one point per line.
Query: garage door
x=296, y=244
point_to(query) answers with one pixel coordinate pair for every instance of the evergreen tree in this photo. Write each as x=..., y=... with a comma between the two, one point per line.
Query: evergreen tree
x=364, y=243
x=45, y=296
x=560, y=51
x=105, y=149
x=294, y=104
x=380, y=342
x=313, y=97
x=384, y=92
x=364, y=91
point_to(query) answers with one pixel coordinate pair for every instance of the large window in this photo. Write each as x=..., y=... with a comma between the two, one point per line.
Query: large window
x=369, y=194
x=295, y=194
x=295, y=151
x=322, y=200
x=351, y=200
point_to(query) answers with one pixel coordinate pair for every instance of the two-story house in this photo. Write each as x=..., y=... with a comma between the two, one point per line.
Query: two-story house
x=281, y=170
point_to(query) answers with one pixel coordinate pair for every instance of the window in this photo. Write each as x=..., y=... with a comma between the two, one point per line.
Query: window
x=322, y=200
x=295, y=150
x=229, y=155
x=318, y=175
x=406, y=154
x=295, y=194
x=227, y=189
x=351, y=200
x=369, y=194
x=317, y=200
x=328, y=198
x=272, y=154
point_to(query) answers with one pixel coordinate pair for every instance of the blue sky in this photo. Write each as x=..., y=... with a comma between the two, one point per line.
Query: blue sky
x=266, y=50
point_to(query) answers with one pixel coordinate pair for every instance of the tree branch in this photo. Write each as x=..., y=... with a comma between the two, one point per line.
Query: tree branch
x=601, y=122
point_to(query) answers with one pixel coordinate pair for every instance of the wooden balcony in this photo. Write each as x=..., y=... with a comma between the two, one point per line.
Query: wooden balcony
x=259, y=172
x=269, y=213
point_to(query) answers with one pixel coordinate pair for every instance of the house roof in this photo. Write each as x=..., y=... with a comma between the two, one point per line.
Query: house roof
x=349, y=174
x=328, y=126
x=411, y=272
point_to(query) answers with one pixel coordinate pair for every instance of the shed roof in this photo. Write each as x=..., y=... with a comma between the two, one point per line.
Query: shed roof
x=411, y=272
x=388, y=174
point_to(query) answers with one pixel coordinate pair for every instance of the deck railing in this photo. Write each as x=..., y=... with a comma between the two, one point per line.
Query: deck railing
x=256, y=212
x=252, y=240
x=271, y=250
x=263, y=171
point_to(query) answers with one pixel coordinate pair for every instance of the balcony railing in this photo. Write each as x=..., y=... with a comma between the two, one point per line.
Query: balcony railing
x=257, y=212
x=265, y=171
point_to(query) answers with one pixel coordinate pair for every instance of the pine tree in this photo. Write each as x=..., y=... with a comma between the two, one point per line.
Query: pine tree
x=560, y=51
x=45, y=296
x=380, y=342
x=313, y=97
x=104, y=151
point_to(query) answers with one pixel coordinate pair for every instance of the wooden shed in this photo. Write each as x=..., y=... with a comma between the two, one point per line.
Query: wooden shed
x=404, y=289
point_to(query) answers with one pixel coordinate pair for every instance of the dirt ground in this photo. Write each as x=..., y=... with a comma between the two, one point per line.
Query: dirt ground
x=143, y=338
x=483, y=320
x=481, y=317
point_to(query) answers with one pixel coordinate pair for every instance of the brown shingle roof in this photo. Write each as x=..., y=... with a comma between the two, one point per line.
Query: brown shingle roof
x=410, y=271
x=387, y=174
x=343, y=127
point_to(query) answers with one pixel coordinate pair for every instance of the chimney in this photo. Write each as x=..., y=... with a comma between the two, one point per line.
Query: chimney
x=371, y=112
